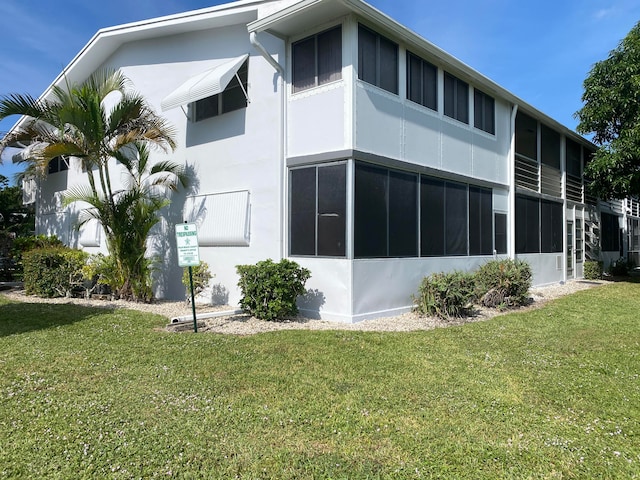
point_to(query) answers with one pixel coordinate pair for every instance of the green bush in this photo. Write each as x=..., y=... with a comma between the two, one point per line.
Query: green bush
x=503, y=283
x=446, y=294
x=101, y=275
x=269, y=290
x=53, y=271
x=619, y=268
x=593, y=270
x=200, y=275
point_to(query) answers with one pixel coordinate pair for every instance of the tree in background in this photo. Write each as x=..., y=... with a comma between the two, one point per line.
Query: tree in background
x=611, y=112
x=78, y=121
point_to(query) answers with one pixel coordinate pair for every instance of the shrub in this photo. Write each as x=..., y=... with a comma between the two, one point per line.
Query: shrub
x=269, y=290
x=619, y=268
x=446, y=294
x=100, y=274
x=593, y=270
x=503, y=282
x=53, y=271
x=201, y=276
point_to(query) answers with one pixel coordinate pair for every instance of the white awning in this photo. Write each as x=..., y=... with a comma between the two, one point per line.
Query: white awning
x=205, y=84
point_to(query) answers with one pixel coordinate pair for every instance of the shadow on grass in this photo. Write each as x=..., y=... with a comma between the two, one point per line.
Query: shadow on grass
x=23, y=317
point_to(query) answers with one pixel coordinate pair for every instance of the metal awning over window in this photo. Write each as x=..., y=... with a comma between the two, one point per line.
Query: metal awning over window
x=206, y=84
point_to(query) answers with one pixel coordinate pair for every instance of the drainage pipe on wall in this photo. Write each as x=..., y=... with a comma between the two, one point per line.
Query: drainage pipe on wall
x=253, y=38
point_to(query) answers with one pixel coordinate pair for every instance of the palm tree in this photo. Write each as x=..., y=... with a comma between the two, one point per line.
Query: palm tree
x=77, y=122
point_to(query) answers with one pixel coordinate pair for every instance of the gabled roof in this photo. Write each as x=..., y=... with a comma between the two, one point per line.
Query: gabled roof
x=292, y=19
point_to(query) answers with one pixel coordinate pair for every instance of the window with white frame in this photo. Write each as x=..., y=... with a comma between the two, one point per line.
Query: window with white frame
x=484, y=112
x=456, y=98
x=377, y=60
x=57, y=164
x=317, y=59
x=422, y=82
x=234, y=97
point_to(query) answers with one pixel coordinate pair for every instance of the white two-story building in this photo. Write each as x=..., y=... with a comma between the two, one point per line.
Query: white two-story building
x=325, y=132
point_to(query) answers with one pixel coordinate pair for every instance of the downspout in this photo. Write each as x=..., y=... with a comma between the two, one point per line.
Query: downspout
x=512, y=187
x=253, y=38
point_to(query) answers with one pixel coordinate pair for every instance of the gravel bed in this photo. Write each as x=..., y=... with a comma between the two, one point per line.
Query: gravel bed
x=246, y=325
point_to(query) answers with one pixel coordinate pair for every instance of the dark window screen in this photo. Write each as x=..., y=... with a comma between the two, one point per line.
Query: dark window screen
x=480, y=221
x=610, y=229
x=303, y=211
x=304, y=64
x=527, y=225
x=550, y=146
x=330, y=56
x=456, y=221
x=403, y=214
x=332, y=201
x=526, y=136
x=367, y=55
x=550, y=227
x=422, y=82
x=432, y=217
x=501, y=232
x=456, y=98
x=484, y=112
x=573, y=158
x=377, y=60
x=370, y=230
x=388, y=65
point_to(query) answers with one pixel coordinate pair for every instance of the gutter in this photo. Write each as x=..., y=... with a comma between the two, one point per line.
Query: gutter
x=253, y=38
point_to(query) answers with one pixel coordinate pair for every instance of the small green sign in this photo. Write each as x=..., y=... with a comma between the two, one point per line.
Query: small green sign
x=187, y=243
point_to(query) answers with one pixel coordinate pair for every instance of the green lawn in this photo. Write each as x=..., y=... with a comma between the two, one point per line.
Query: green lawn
x=550, y=393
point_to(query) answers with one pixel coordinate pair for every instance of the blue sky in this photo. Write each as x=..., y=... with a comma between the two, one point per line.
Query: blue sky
x=540, y=51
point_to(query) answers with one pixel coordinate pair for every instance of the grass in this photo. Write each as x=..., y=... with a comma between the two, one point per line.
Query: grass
x=550, y=393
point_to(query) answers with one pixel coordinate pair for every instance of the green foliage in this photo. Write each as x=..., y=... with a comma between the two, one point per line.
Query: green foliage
x=503, y=282
x=53, y=271
x=446, y=294
x=201, y=276
x=593, y=270
x=269, y=289
x=14, y=216
x=611, y=112
x=619, y=268
x=101, y=274
x=95, y=135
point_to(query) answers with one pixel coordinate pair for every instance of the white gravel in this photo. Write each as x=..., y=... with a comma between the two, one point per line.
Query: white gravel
x=246, y=325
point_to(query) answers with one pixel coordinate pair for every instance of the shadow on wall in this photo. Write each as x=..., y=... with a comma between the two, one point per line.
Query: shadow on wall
x=231, y=124
x=167, y=276
x=311, y=303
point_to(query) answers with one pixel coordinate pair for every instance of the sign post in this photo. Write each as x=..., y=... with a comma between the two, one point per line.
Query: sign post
x=188, y=256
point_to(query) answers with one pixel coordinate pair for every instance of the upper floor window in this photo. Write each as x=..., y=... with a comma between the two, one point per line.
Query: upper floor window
x=422, y=82
x=234, y=97
x=574, y=160
x=317, y=59
x=57, y=164
x=484, y=112
x=377, y=60
x=550, y=147
x=456, y=98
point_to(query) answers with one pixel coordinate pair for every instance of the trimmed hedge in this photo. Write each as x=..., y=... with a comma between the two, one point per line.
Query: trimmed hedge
x=269, y=289
x=593, y=270
x=53, y=272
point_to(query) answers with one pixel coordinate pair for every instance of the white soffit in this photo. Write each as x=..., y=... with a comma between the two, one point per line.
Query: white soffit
x=205, y=84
